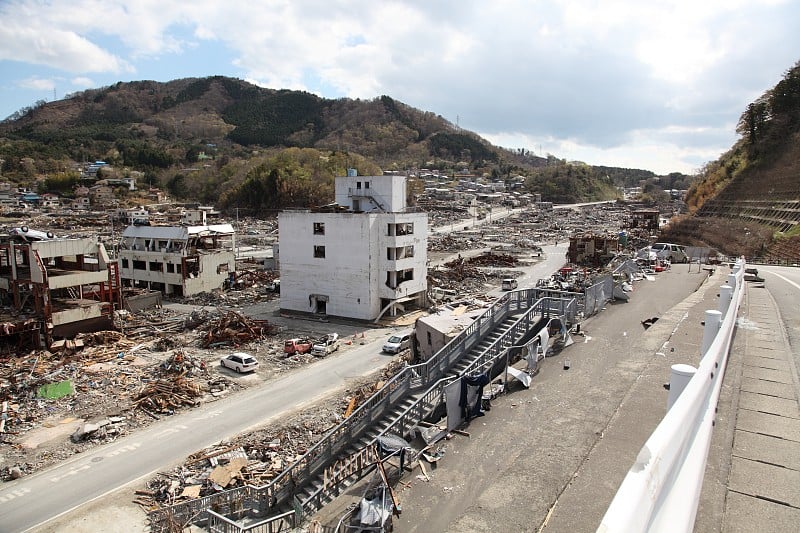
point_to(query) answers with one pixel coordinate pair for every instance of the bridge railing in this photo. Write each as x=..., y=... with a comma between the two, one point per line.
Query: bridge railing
x=662, y=489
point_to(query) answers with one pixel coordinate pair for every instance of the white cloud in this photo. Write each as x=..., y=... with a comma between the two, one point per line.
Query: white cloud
x=606, y=78
x=38, y=84
x=82, y=81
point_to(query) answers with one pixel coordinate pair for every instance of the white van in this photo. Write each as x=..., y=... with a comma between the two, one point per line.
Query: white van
x=442, y=295
x=397, y=343
x=509, y=284
x=674, y=252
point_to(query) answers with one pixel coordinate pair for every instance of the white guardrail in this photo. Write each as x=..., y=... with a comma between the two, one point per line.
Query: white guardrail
x=662, y=489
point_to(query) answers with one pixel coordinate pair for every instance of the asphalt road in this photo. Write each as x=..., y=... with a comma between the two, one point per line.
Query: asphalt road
x=32, y=500
x=783, y=283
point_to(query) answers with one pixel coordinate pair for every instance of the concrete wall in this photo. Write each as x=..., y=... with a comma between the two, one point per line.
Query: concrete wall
x=353, y=273
x=388, y=191
x=345, y=275
x=214, y=270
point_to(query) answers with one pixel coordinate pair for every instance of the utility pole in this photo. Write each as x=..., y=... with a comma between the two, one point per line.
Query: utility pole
x=237, y=232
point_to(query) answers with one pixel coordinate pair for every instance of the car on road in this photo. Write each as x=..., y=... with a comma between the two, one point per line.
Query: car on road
x=675, y=253
x=240, y=362
x=326, y=345
x=397, y=343
x=509, y=284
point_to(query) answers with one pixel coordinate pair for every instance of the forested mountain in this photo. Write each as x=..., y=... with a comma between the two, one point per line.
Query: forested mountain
x=205, y=138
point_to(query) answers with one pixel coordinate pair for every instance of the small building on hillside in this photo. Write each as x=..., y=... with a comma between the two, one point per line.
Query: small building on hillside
x=177, y=260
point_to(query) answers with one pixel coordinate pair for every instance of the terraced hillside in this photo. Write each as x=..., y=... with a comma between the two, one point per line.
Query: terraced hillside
x=748, y=202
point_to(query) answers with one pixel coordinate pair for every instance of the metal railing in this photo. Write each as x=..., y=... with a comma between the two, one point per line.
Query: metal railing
x=662, y=489
x=424, y=376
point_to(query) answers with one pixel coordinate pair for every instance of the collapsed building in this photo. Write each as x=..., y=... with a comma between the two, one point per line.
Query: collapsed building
x=592, y=250
x=55, y=288
x=177, y=260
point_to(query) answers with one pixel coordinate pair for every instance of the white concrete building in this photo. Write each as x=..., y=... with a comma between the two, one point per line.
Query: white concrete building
x=179, y=260
x=363, y=257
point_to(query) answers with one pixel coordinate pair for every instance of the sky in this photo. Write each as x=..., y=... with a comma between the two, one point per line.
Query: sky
x=651, y=84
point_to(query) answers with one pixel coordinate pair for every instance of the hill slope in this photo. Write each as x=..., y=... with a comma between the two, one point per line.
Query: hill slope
x=748, y=201
x=203, y=139
x=231, y=113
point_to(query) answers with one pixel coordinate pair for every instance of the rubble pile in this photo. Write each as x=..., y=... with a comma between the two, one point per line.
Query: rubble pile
x=252, y=277
x=235, y=329
x=449, y=242
x=487, y=260
x=166, y=395
x=257, y=457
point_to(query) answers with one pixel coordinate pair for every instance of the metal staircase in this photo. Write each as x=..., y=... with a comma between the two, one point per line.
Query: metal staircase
x=347, y=452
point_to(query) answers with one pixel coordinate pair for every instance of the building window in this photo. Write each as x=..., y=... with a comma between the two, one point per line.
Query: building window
x=319, y=228
x=319, y=252
x=366, y=185
x=155, y=266
x=403, y=229
x=170, y=268
x=358, y=185
x=139, y=265
x=124, y=262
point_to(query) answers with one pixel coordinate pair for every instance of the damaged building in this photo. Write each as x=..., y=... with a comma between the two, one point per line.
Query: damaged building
x=177, y=260
x=55, y=288
x=363, y=257
x=434, y=331
x=592, y=250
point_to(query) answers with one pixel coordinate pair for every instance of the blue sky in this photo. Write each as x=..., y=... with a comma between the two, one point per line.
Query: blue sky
x=656, y=84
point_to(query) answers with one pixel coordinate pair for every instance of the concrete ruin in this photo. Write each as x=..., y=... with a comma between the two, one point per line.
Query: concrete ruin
x=177, y=260
x=55, y=288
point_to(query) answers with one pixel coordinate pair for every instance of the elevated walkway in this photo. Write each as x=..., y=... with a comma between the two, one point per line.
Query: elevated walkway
x=347, y=452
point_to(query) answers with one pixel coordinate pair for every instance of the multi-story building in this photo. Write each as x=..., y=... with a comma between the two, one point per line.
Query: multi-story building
x=362, y=257
x=177, y=260
x=52, y=287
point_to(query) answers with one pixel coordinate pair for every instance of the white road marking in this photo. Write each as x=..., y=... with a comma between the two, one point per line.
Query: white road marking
x=72, y=472
x=169, y=431
x=210, y=414
x=14, y=494
x=128, y=448
x=784, y=278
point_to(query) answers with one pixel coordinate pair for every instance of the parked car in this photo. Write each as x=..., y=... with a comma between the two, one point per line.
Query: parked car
x=509, y=284
x=240, y=362
x=326, y=345
x=397, y=343
x=297, y=345
x=675, y=253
